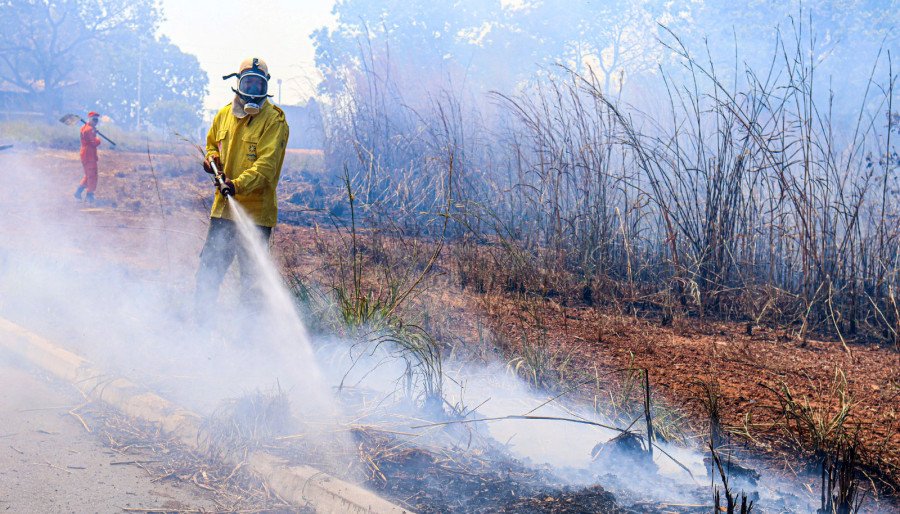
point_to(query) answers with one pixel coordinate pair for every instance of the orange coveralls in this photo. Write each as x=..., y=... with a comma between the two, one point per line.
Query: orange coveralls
x=89, y=144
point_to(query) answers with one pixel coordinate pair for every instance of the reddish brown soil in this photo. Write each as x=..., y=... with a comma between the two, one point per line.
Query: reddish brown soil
x=744, y=368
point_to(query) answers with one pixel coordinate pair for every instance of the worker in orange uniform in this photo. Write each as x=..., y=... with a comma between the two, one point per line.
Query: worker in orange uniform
x=247, y=142
x=89, y=143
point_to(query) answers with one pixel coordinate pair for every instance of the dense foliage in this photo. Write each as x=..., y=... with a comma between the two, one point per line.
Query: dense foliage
x=102, y=55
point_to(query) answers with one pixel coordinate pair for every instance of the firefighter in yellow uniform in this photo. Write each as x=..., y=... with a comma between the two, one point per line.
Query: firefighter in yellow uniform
x=247, y=142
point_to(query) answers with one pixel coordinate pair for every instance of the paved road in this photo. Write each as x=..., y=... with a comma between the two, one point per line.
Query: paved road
x=50, y=464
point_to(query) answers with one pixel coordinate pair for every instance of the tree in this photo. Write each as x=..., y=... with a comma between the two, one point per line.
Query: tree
x=494, y=45
x=614, y=40
x=43, y=42
x=428, y=42
x=174, y=116
x=133, y=76
x=100, y=55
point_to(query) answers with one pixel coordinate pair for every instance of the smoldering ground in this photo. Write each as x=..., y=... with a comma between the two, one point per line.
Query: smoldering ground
x=498, y=414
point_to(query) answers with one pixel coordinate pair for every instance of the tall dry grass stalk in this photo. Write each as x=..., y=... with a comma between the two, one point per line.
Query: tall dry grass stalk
x=747, y=199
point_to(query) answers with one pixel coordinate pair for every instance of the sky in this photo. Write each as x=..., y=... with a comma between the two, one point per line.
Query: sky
x=223, y=33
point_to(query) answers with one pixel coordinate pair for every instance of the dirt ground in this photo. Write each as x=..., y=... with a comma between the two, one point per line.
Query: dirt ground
x=167, y=195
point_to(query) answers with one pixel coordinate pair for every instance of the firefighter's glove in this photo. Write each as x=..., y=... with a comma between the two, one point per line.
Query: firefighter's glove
x=227, y=188
x=207, y=167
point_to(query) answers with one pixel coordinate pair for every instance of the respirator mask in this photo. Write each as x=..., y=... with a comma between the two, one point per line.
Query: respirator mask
x=253, y=86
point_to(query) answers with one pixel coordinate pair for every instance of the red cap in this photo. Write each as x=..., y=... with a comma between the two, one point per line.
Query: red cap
x=93, y=114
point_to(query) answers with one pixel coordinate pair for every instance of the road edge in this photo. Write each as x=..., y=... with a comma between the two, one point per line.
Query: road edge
x=300, y=485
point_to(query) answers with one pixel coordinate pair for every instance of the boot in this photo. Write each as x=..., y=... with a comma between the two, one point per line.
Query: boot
x=78, y=192
x=89, y=198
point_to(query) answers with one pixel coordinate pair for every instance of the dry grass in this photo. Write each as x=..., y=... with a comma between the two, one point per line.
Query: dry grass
x=241, y=425
x=231, y=487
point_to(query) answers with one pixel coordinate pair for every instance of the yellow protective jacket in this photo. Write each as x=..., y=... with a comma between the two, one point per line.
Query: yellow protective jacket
x=251, y=150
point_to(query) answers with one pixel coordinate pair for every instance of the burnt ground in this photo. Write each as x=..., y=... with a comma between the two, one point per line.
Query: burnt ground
x=471, y=481
x=678, y=358
x=424, y=479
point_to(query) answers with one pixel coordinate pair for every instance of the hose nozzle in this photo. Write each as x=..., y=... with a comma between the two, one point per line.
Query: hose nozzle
x=219, y=180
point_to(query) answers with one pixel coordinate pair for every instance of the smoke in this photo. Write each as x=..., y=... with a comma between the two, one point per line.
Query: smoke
x=121, y=295
x=119, y=291
x=280, y=326
x=500, y=411
x=546, y=431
